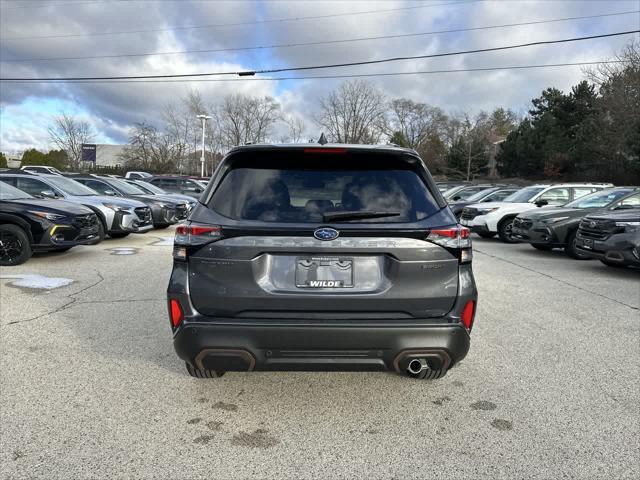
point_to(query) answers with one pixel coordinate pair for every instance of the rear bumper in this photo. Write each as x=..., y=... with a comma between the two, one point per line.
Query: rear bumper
x=259, y=345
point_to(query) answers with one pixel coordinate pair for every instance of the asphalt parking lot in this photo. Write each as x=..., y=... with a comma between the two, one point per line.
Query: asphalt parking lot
x=91, y=388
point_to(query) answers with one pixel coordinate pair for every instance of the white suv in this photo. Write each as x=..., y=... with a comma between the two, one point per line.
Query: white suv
x=487, y=219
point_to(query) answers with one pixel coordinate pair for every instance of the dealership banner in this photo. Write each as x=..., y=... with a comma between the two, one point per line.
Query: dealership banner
x=89, y=152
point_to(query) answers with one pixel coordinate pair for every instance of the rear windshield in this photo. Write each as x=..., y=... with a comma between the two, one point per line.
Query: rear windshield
x=287, y=193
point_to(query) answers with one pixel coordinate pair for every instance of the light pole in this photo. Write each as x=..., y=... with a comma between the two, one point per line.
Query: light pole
x=204, y=119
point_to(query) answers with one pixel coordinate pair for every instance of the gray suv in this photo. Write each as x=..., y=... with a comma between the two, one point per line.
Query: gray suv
x=305, y=257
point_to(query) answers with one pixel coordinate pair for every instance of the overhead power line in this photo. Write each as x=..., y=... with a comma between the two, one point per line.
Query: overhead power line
x=237, y=24
x=245, y=73
x=325, y=42
x=324, y=77
x=47, y=4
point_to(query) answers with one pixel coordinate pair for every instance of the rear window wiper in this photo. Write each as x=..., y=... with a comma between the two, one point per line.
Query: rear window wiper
x=357, y=214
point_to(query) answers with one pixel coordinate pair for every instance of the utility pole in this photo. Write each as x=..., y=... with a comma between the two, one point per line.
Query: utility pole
x=204, y=119
x=469, y=162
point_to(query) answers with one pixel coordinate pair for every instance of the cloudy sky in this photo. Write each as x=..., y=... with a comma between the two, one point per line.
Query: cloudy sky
x=34, y=32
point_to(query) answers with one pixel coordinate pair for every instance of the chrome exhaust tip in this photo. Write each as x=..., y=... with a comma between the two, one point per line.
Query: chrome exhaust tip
x=417, y=365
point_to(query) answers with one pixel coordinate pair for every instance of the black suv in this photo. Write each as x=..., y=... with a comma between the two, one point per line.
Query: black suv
x=550, y=228
x=612, y=237
x=29, y=224
x=341, y=257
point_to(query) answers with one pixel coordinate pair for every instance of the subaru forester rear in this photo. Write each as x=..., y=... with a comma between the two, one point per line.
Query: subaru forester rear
x=309, y=257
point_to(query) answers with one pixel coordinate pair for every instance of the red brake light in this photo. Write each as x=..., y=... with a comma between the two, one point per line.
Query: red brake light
x=176, y=313
x=468, y=314
x=196, y=234
x=462, y=232
x=204, y=230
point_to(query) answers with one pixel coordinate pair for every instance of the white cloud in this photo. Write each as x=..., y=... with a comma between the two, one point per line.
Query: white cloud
x=114, y=107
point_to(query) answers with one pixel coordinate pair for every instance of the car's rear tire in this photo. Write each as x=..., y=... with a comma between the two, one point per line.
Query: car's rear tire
x=201, y=373
x=504, y=230
x=540, y=246
x=16, y=248
x=486, y=234
x=609, y=263
x=119, y=234
x=571, y=250
x=429, y=374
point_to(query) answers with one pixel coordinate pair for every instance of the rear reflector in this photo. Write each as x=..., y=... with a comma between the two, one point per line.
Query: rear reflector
x=176, y=313
x=468, y=314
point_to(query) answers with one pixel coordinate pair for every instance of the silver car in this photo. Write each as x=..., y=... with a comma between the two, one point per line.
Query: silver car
x=118, y=217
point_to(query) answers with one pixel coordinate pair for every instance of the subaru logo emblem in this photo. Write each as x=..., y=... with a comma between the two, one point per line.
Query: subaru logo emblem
x=326, y=233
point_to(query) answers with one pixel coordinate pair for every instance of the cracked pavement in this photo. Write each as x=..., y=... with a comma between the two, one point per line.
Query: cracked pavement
x=90, y=386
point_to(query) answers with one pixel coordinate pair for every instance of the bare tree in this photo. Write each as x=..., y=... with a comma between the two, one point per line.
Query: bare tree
x=296, y=128
x=244, y=119
x=354, y=113
x=151, y=150
x=415, y=121
x=627, y=59
x=68, y=134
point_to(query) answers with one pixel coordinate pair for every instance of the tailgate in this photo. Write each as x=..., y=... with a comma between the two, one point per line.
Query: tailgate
x=302, y=277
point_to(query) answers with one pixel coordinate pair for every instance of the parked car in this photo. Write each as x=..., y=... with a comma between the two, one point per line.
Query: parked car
x=29, y=225
x=178, y=184
x=151, y=189
x=164, y=211
x=319, y=258
x=489, y=219
x=41, y=169
x=133, y=175
x=444, y=186
x=613, y=237
x=550, y=228
x=463, y=191
x=118, y=216
x=489, y=194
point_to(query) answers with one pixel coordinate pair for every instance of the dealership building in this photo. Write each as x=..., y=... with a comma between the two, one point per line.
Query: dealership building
x=104, y=155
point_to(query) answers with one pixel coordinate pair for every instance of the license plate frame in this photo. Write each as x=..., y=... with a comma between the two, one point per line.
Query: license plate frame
x=324, y=272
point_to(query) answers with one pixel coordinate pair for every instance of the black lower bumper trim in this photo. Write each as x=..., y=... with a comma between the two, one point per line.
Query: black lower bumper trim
x=259, y=346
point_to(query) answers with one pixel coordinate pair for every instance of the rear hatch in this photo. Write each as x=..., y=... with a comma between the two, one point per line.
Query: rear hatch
x=326, y=234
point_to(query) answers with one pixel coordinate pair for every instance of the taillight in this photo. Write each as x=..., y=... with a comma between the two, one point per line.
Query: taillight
x=457, y=239
x=175, y=312
x=196, y=234
x=468, y=314
x=193, y=234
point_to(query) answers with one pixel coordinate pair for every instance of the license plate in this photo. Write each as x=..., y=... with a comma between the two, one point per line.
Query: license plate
x=324, y=272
